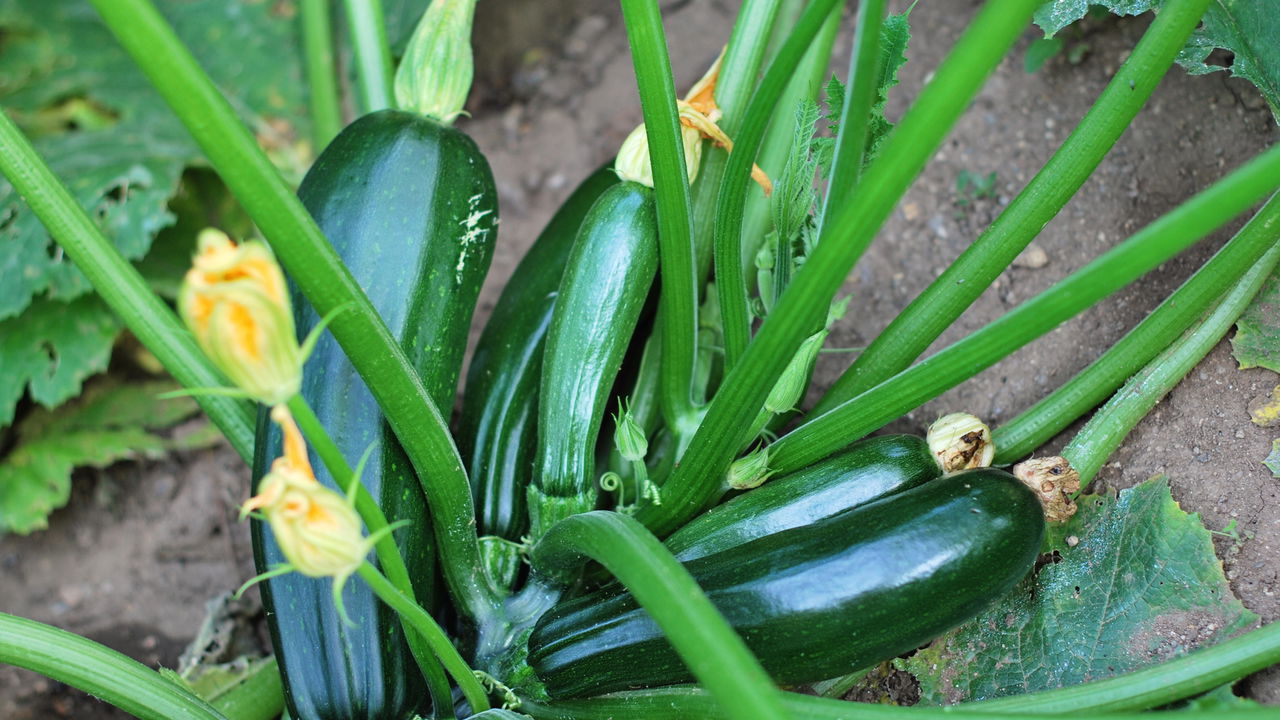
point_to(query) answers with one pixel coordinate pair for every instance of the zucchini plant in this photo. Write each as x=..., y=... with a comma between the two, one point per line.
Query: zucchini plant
x=797, y=549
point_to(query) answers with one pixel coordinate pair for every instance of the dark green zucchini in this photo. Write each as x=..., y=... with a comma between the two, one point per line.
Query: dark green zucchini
x=867, y=471
x=819, y=600
x=410, y=206
x=497, y=430
x=610, y=269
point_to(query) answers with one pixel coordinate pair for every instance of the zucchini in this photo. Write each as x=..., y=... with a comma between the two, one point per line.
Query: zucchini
x=610, y=268
x=497, y=429
x=867, y=471
x=410, y=206
x=819, y=600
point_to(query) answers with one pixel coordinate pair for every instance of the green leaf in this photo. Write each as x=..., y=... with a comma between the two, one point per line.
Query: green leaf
x=110, y=422
x=1257, y=339
x=1250, y=30
x=1137, y=582
x=1057, y=14
x=120, y=151
x=894, y=37
x=1223, y=698
x=1041, y=51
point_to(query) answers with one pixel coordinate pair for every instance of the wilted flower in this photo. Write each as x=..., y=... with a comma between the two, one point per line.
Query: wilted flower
x=317, y=528
x=236, y=304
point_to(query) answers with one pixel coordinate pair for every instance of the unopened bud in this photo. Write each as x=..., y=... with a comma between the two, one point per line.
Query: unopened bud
x=961, y=441
x=750, y=470
x=434, y=76
x=629, y=437
x=789, y=390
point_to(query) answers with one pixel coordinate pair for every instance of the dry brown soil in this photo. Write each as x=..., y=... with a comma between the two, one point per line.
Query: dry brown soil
x=140, y=548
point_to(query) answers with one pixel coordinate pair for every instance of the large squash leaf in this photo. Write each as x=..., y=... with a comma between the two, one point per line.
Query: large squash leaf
x=1136, y=582
x=112, y=140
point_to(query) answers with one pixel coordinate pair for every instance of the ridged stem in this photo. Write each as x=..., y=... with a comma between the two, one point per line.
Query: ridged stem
x=431, y=632
x=678, y=302
x=716, y=656
x=322, y=82
x=802, y=308
x=372, y=54
x=320, y=274
x=1161, y=240
x=1108, y=428
x=120, y=285
x=734, y=311
x=859, y=96
x=935, y=309
x=99, y=671
x=1039, y=423
x=388, y=554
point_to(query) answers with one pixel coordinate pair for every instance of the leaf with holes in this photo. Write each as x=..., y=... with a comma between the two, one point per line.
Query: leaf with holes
x=121, y=152
x=1137, y=582
x=109, y=423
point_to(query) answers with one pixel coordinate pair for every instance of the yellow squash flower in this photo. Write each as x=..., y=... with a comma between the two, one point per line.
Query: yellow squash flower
x=235, y=302
x=317, y=529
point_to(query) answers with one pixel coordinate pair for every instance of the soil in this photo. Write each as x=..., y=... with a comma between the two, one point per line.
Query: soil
x=141, y=547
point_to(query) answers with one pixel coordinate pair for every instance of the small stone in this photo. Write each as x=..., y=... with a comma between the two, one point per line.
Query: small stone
x=911, y=211
x=1072, y=541
x=1033, y=258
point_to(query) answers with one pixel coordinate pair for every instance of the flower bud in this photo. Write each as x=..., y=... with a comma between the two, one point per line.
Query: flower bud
x=961, y=441
x=633, y=157
x=789, y=390
x=235, y=302
x=434, y=76
x=629, y=437
x=750, y=470
x=317, y=529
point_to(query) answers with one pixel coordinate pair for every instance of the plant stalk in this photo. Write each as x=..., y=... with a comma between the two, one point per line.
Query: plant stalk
x=935, y=309
x=1162, y=239
x=372, y=54
x=1039, y=423
x=322, y=82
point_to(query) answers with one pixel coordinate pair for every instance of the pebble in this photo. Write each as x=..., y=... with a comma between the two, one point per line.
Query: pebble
x=1033, y=258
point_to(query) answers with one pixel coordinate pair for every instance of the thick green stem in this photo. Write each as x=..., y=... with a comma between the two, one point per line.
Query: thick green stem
x=372, y=54
x=326, y=282
x=715, y=654
x=120, y=285
x=322, y=82
x=1036, y=425
x=259, y=696
x=432, y=633
x=678, y=303
x=98, y=670
x=855, y=116
x=1104, y=432
x=946, y=298
x=802, y=308
x=1154, y=244
x=388, y=554
x=734, y=311
x=742, y=60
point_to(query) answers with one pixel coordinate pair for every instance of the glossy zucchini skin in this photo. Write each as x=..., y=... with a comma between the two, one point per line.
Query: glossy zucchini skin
x=610, y=269
x=819, y=600
x=497, y=432
x=865, y=472
x=410, y=207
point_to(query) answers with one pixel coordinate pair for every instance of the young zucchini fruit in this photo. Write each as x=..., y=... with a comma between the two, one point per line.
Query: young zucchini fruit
x=868, y=470
x=819, y=600
x=610, y=269
x=410, y=206
x=497, y=430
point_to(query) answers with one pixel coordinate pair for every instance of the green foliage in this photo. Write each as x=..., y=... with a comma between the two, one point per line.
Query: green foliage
x=972, y=187
x=94, y=117
x=1040, y=51
x=1223, y=698
x=1257, y=339
x=1135, y=582
x=1273, y=458
x=894, y=37
x=109, y=423
x=1246, y=28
